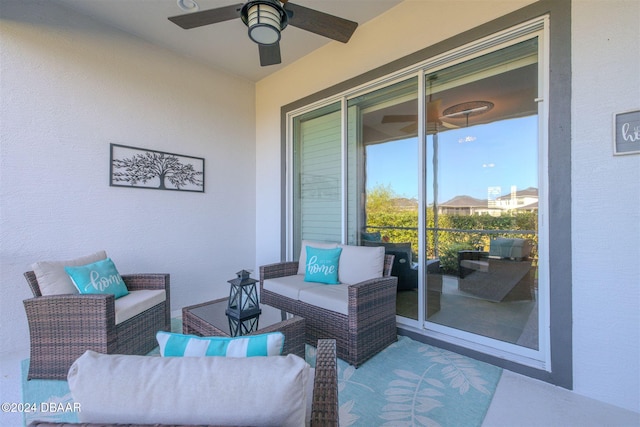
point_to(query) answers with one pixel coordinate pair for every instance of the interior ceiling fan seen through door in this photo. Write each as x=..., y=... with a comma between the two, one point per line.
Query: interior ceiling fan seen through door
x=434, y=109
x=267, y=18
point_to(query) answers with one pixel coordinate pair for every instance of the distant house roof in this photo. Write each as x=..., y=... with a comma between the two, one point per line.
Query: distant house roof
x=464, y=202
x=527, y=192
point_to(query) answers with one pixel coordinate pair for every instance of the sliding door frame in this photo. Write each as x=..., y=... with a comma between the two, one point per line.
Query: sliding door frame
x=557, y=368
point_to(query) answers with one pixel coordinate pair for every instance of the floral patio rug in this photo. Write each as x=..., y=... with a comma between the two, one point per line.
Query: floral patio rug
x=407, y=384
x=414, y=384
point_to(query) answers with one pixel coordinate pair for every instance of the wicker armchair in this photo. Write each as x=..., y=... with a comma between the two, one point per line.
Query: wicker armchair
x=370, y=325
x=324, y=406
x=62, y=327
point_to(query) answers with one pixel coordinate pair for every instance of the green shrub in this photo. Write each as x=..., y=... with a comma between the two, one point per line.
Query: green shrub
x=449, y=256
x=398, y=222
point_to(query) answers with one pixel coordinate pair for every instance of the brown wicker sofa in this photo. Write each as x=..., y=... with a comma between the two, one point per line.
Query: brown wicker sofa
x=324, y=405
x=63, y=327
x=367, y=328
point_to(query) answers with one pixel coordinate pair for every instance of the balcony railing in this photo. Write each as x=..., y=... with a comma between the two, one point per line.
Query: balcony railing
x=440, y=240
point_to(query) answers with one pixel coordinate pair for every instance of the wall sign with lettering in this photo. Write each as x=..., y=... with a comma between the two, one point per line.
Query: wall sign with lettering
x=626, y=138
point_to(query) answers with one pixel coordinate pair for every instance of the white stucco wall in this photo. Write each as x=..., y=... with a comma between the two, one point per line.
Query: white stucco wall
x=606, y=198
x=606, y=203
x=70, y=87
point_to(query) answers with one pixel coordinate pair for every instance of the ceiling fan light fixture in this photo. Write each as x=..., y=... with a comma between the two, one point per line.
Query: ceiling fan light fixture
x=468, y=109
x=265, y=19
x=188, y=5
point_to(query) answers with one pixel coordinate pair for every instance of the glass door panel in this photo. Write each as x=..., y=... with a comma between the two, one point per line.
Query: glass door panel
x=482, y=195
x=383, y=171
x=317, y=176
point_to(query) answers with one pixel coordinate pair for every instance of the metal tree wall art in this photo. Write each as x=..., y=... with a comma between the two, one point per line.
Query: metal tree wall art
x=138, y=167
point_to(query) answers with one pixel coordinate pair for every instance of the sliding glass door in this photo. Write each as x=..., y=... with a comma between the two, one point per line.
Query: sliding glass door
x=441, y=166
x=383, y=149
x=317, y=183
x=482, y=194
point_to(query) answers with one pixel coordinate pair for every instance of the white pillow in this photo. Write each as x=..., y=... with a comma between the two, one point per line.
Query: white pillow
x=256, y=391
x=302, y=261
x=360, y=263
x=54, y=280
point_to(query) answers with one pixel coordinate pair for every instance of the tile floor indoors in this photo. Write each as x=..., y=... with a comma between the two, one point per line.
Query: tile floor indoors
x=519, y=401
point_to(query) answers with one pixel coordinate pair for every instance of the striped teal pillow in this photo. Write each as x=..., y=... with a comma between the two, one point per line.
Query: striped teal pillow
x=171, y=344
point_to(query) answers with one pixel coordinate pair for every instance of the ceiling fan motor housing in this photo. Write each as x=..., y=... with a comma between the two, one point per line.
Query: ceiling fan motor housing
x=265, y=19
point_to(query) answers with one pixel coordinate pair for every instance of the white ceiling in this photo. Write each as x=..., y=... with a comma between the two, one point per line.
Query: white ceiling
x=226, y=45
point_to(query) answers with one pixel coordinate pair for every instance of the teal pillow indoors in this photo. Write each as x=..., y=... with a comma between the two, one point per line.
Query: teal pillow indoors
x=322, y=265
x=100, y=277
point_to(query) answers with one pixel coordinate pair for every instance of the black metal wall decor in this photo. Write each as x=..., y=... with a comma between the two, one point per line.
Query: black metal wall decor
x=243, y=309
x=142, y=168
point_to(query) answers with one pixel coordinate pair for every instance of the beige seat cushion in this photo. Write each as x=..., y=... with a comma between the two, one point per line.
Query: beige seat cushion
x=53, y=280
x=330, y=297
x=257, y=391
x=289, y=286
x=135, y=302
x=360, y=263
x=475, y=265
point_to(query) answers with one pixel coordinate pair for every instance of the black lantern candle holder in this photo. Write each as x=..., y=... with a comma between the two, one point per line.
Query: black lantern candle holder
x=243, y=309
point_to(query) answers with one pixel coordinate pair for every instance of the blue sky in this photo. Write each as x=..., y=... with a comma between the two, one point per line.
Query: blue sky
x=471, y=160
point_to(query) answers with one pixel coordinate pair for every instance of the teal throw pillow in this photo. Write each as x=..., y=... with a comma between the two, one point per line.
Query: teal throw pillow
x=322, y=265
x=172, y=344
x=100, y=277
x=372, y=237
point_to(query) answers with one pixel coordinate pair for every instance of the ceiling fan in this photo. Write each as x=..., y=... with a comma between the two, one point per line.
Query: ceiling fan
x=434, y=121
x=266, y=19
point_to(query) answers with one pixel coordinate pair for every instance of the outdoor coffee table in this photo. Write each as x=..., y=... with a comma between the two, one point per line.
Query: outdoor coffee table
x=210, y=319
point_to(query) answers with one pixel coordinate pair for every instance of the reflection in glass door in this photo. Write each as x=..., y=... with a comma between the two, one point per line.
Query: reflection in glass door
x=442, y=169
x=384, y=170
x=482, y=195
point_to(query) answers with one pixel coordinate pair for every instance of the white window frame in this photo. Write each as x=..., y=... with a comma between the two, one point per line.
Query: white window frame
x=538, y=27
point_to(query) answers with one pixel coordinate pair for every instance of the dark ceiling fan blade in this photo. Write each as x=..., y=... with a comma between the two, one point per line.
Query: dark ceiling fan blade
x=206, y=17
x=269, y=54
x=321, y=23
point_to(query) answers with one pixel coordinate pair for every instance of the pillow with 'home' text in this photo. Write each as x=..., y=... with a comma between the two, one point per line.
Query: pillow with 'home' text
x=322, y=265
x=100, y=277
x=302, y=259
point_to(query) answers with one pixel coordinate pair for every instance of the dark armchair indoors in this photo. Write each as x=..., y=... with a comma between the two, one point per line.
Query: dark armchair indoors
x=403, y=268
x=407, y=272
